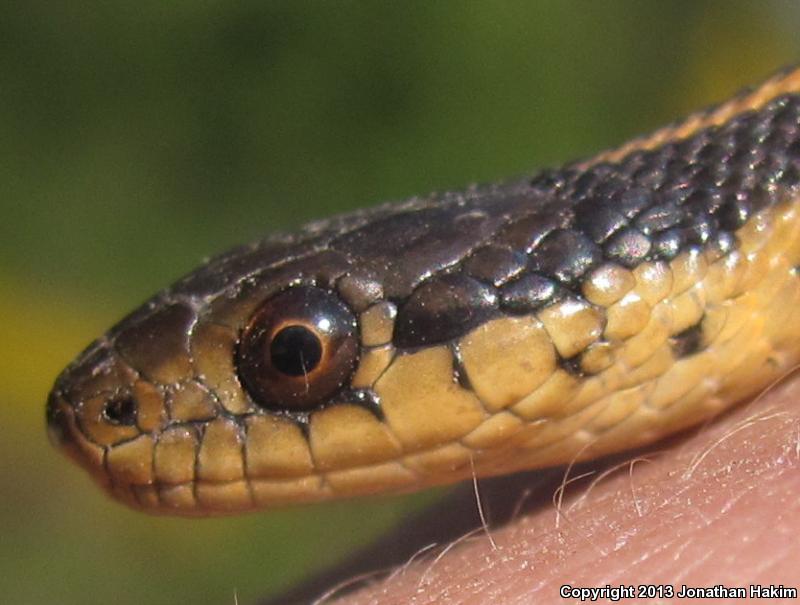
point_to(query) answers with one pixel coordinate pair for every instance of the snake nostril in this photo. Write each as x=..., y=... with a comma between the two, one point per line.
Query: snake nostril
x=121, y=410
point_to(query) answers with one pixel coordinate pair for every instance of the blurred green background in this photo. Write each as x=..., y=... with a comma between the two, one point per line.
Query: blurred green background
x=138, y=138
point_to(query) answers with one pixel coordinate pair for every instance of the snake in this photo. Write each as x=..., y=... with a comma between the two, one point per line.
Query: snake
x=559, y=317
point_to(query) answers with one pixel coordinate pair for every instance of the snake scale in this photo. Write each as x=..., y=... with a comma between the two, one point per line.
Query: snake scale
x=582, y=311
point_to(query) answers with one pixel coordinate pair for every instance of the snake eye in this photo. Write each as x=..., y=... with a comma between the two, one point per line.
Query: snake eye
x=298, y=349
x=121, y=411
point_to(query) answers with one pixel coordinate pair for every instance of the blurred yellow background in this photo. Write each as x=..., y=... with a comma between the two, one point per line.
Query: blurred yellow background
x=138, y=138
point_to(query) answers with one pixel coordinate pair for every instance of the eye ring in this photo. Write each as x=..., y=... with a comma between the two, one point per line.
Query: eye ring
x=298, y=349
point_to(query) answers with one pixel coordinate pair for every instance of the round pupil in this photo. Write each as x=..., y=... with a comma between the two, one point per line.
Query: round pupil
x=295, y=351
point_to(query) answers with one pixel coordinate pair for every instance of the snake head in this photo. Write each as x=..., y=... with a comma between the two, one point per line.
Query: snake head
x=304, y=367
x=227, y=391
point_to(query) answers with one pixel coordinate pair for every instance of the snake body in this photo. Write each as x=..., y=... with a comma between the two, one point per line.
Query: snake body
x=586, y=310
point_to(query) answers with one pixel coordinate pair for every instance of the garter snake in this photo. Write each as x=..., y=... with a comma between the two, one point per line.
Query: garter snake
x=582, y=311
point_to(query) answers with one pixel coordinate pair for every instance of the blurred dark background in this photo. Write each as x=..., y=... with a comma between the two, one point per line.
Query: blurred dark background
x=138, y=138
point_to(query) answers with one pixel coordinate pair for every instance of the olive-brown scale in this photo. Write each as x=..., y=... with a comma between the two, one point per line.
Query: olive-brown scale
x=588, y=310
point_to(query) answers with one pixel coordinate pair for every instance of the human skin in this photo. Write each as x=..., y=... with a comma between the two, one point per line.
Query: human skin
x=717, y=505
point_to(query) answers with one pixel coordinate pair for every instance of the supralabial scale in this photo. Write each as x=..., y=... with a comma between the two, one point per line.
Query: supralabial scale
x=581, y=311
